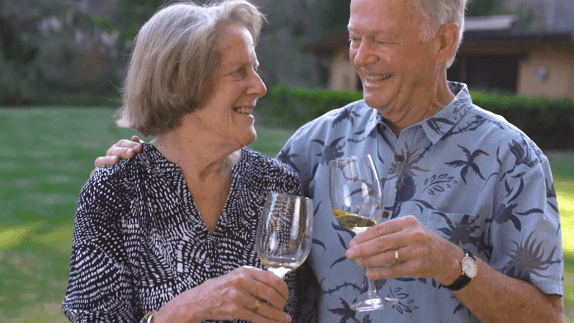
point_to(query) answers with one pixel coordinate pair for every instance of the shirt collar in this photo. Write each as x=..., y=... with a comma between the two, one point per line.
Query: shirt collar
x=441, y=123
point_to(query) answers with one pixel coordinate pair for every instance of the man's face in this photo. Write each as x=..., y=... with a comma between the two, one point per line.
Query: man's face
x=395, y=67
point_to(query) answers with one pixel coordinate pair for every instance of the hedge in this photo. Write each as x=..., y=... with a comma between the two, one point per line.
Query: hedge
x=548, y=122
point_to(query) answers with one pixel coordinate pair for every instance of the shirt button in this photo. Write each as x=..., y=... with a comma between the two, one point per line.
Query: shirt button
x=385, y=214
x=400, y=158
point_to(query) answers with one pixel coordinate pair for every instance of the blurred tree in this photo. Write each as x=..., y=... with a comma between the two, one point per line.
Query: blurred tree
x=332, y=16
x=528, y=18
x=477, y=8
x=43, y=46
x=281, y=41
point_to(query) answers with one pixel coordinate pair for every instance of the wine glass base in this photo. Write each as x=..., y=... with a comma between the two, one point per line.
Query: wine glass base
x=372, y=304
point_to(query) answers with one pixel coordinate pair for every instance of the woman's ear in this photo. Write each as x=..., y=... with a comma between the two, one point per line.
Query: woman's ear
x=447, y=35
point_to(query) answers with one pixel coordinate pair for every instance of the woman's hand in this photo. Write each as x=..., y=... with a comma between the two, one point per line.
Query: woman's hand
x=237, y=295
x=123, y=149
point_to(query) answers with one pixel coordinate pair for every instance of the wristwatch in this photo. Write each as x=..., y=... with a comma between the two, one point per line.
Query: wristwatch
x=469, y=271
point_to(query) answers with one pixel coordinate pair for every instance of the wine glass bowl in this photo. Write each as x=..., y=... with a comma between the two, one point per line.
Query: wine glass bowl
x=357, y=204
x=355, y=191
x=283, y=239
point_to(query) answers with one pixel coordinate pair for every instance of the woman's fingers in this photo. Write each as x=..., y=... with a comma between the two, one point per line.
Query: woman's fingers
x=263, y=285
x=265, y=313
x=250, y=294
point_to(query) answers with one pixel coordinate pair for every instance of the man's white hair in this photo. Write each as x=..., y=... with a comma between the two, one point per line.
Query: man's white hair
x=435, y=13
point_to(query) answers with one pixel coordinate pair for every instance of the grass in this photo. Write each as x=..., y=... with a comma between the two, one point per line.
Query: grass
x=46, y=155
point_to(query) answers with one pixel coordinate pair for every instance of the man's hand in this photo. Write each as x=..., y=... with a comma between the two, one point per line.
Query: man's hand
x=123, y=149
x=420, y=251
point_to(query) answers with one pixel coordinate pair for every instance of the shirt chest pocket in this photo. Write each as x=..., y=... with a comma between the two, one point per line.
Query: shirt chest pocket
x=461, y=229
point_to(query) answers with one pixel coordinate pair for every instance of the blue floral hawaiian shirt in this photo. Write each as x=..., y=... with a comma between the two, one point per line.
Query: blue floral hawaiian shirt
x=465, y=173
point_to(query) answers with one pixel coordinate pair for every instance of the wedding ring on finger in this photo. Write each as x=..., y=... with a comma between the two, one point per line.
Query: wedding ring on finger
x=257, y=305
x=397, y=256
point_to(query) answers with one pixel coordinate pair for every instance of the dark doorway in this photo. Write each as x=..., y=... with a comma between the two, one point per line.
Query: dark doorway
x=486, y=72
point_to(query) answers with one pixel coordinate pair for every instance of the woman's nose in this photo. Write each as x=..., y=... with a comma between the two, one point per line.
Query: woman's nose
x=257, y=87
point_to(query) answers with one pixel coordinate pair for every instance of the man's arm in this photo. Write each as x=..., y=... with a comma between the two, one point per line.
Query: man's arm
x=495, y=297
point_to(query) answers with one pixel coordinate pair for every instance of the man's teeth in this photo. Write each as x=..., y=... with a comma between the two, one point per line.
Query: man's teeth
x=243, y=110
x=379, y=78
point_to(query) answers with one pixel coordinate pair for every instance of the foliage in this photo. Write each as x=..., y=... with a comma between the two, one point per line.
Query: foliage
x=540, y=118
x=288, y=107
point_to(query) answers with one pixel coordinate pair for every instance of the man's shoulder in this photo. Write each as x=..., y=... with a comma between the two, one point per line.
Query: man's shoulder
x=497, y=128
x=353, y=115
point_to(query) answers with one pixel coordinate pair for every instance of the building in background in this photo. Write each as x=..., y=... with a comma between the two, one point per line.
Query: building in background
x=494, y=54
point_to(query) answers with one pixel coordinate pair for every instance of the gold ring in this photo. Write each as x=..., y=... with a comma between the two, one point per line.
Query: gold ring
x=257, y=304
x=397, y=255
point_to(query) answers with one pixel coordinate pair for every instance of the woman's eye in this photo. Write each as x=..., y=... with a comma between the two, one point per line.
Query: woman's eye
x=240, y=72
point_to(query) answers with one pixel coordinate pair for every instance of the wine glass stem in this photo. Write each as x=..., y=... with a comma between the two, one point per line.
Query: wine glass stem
x=372, y=288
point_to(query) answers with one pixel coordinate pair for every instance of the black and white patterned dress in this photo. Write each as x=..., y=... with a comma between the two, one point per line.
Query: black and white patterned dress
x=139, y=240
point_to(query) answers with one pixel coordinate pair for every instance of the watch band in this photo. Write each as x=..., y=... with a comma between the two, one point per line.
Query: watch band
x=463, y=279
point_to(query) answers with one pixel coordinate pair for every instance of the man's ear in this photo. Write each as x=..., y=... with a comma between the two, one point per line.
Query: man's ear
x=447, y=35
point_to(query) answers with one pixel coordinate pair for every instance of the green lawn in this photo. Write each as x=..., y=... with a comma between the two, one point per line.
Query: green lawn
x=46, y=156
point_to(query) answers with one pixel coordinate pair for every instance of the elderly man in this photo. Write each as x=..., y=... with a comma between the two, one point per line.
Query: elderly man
x=471, y=226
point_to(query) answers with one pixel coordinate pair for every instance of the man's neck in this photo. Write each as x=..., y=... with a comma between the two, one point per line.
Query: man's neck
x=441, y=96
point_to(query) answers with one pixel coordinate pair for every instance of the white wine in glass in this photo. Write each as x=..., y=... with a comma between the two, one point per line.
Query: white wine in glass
x=357, y=202
x=283, y=238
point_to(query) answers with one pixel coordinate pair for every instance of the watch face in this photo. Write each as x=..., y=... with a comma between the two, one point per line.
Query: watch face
x=469, y=267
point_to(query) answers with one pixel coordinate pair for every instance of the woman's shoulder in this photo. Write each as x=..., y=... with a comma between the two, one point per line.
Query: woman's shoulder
x=263, y=163
x=268, y=174
x=123, y=177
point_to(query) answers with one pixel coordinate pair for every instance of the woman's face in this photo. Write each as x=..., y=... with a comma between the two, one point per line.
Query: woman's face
x=226, y=116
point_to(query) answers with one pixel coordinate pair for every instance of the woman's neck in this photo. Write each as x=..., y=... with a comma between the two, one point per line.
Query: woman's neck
x=198, y=160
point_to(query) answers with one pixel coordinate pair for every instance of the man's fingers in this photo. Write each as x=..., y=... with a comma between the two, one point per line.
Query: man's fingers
x=105, y=161
x=121, y=152
x=381, y=229
x=135, y=139
x=376, y=245
x=386, y=258
x=398, y=270
x=128, y=144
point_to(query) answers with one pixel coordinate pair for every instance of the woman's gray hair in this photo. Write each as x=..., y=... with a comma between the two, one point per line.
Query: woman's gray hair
x=435, y=13
x=174, y=59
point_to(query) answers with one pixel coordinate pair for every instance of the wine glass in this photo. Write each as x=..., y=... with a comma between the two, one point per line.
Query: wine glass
x=357, y=202
x=283, y=238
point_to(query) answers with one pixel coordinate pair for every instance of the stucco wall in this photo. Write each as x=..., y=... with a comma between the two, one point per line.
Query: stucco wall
x=559, y=66
x=343, y=75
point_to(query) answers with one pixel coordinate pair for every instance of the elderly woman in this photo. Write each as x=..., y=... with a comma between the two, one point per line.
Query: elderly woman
x=172, y=230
